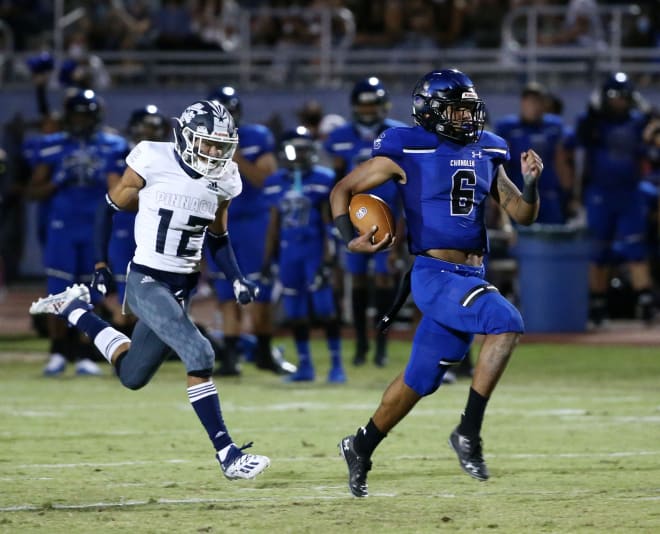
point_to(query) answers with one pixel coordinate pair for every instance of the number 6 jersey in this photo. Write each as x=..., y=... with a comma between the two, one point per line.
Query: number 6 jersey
x=174, y=209
x=446, y=186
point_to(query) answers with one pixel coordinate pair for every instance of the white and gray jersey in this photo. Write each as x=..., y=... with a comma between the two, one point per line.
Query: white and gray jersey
x=174, y=209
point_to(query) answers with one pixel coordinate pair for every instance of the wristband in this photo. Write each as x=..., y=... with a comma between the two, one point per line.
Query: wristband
x=345, y=227
x=530, y=192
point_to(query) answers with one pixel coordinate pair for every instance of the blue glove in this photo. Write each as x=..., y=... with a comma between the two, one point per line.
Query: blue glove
x=245, y=290
x=103, y=281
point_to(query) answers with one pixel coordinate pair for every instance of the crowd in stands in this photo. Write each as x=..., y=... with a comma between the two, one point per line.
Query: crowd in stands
x=213, y=24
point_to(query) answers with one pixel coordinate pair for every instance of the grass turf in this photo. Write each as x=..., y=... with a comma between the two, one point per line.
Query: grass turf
x=572, y=440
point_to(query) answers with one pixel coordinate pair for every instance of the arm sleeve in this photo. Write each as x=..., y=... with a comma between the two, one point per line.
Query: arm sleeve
x=223, y=254
x=103, y=229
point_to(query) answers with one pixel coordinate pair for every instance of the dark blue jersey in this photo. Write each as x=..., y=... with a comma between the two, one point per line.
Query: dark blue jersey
x=543, y=137
x=613, y=149
x=300, y=201
x=353, y=145
x=446, y=186
x=80, y=168
x=254, y=140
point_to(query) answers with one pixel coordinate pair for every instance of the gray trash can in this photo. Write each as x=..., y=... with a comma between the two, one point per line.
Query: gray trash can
x=553, y=266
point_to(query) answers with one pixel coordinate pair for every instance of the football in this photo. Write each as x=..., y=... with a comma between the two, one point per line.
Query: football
x=366, y=211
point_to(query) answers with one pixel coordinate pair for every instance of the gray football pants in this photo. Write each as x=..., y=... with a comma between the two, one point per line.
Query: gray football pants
x=163, y=324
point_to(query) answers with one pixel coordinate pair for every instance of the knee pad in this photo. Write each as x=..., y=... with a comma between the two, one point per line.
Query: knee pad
x=324, y=303
x=501, y=316
x=295, y=305
x=434, y=350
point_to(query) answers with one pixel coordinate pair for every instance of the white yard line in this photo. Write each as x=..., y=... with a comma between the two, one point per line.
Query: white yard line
x=515, y=456
x=340, y=494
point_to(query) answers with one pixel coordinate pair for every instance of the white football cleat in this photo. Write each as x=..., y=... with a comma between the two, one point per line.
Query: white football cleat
x=87, y=367
x=56, y=303
x=239, y=465
x=56, y=365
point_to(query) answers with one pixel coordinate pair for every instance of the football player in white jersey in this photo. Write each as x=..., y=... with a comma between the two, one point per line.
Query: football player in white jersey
x=181, y=191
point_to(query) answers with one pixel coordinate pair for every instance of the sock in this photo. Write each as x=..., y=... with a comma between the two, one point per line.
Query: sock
x=473, y=415
x=264, y=348
x=61, y=346
x=383, y=298
x=301, y=338
x=597, y=307
x=105, y=337
x=206, y=403
x=359, y=301
x=230, y=349
x=334, y=343
x=645, y=304
x=367, y=439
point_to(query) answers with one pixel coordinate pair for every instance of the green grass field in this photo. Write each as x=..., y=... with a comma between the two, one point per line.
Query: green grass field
x=572, y=439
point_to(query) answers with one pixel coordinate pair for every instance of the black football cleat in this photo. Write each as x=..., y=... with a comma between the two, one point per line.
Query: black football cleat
x=469, y=455
x=275, y=362
x=360, y=357
x=358, y=467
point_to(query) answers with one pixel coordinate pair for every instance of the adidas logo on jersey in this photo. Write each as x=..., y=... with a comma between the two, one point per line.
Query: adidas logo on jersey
x=147, y=279
x=213, y=186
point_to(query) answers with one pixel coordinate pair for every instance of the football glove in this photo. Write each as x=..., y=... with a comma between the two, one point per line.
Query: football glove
x=267, y=274
x=103, y=281
x=322, y=276
x=245, y=290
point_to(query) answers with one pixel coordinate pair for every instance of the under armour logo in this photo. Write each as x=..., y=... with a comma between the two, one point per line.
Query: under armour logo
x=476, y=154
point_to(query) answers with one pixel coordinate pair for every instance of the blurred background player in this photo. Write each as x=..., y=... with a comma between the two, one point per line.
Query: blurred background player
x=350, y=145
x=533, y=128
x=298, y=237
x=71, y=171
x=248, y=222
x=610, y=135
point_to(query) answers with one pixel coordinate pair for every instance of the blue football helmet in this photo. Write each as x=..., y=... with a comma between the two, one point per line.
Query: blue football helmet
x=148, y=124
x=228, y=97
x=446, y=103
x=205, y=137
x=618, y=94
x=370, y=102
x=82, y=112
x=298, y=150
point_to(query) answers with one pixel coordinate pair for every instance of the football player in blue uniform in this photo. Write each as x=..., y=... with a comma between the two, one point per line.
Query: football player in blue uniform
x=610, y=133
x=248, y=220
x=544, y=133
x=350, y=145
x=71, y=171
x=181, y=191
x=444, y=168
x=297, y=235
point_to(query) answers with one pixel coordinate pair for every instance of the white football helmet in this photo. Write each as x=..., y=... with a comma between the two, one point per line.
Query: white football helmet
x=206, y=137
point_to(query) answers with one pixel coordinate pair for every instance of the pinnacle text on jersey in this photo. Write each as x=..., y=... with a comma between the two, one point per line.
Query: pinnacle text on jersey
x=187, y=203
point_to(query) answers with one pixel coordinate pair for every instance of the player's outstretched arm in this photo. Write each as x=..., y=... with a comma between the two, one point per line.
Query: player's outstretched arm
x=365, y=176
x=522, y=207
